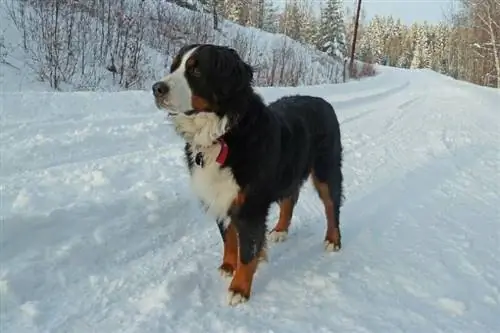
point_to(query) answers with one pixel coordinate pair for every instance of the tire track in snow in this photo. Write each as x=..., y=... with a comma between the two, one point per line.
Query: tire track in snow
x=370, y=98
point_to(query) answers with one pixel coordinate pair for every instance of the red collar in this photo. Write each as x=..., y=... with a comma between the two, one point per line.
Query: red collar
x=224, y=151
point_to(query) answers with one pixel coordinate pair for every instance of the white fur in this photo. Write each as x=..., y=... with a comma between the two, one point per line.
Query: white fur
x=235, y=298
x=331, y=247
x=225, y=274
x=278, y=236
x=179, y=96
x=201, y=129
x=215, y=186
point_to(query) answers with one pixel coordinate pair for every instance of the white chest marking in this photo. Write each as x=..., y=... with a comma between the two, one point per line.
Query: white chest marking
x=214, y=186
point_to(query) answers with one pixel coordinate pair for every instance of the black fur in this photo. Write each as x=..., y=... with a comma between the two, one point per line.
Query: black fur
x=272, y=149
x=225, y=80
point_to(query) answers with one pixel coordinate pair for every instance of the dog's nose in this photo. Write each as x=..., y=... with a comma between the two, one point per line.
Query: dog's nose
x=160, y=88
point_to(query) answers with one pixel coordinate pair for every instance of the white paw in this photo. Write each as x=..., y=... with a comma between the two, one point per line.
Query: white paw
x=331, y=247
x=263, y=258
x=234, y=298
x=224, y=273
x=278, y=236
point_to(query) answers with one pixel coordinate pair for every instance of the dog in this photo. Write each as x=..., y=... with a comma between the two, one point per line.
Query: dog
x=243, y=155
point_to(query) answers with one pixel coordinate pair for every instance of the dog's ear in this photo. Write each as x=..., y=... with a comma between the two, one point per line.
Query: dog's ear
x=231, y=74
x=246, y=70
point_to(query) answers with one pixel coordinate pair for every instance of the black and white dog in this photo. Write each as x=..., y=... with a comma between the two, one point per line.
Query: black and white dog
x=244, y=156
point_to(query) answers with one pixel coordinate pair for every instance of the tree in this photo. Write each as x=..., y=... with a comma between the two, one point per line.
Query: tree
x=270, y=17
x=293, y=20
x=421, y=53
x=237, y=11
x=311, y=29
x=332, y=33
x=485, y=17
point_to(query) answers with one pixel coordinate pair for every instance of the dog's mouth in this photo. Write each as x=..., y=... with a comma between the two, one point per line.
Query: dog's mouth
x=165, y=106
x=171, y=112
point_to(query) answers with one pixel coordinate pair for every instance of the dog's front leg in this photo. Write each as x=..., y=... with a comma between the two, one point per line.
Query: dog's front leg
x=251, y=234
x=230, y=239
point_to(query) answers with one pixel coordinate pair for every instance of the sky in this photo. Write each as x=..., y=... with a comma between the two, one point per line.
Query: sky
x=408, y=11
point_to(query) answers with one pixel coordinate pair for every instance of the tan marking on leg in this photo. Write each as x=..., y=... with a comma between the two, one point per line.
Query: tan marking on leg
x=241, y=285
x=280, y=230
x=332, y=237
x=230, y=258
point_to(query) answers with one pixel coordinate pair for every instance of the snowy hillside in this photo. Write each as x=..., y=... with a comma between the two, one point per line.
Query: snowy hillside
x=141, y=40
x=100, y=232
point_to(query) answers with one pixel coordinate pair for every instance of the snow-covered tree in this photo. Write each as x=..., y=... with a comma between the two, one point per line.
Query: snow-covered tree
x=271, y=17
x=371, y=44
x=421, y=53
x=332, y=33
x=293, y=20
x=237, y=11
x=311, y=29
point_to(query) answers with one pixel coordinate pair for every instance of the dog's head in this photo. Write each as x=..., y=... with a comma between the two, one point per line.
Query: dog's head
x=203, y=78
x=204, y=91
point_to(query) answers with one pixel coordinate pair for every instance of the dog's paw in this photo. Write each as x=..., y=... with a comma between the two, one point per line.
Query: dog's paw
x=263, y=257
x=278, y=236
x=226, y=270
x=332, y=246
x=234, y=298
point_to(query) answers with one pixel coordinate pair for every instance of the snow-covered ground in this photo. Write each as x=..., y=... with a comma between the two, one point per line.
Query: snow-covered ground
x=101, y=233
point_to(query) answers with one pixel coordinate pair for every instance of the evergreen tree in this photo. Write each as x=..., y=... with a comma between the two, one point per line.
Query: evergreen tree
x=311, y=29
x=421, y=53
x=271, y=17
x=332, y=29
x=293, y=20
x=237, y=11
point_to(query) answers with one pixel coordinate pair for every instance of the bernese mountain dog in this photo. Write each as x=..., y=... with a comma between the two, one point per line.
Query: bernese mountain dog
x=244, y=155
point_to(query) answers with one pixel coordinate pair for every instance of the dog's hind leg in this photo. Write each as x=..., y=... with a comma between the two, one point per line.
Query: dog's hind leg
x=327, y=179
x=280, y=230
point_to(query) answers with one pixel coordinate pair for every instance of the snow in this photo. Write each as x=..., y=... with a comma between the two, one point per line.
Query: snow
x=101, y=232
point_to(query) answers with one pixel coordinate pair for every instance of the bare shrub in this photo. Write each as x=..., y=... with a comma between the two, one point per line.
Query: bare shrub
x=87, y=43
x=282, y=62
x=367, y=70
x=3, y=48
x=362, y=69
x=247, y=45
x=196, y=27
x=161, y=31
x=73, y=41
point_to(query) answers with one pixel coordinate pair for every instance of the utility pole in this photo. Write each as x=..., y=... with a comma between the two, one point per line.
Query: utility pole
x=354, y=37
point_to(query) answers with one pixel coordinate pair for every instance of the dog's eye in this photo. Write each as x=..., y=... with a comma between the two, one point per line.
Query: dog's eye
x=195, y=71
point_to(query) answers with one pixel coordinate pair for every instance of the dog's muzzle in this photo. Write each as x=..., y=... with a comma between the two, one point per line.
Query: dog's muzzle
x=160, y=89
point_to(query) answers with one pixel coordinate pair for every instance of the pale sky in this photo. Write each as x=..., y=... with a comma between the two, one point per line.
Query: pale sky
x=408, y=10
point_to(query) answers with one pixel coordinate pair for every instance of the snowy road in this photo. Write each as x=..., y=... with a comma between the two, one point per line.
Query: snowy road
x=100, y=231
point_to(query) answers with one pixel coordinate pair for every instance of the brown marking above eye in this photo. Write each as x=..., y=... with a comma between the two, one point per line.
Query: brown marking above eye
x=190, y=62
x=191, y=67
